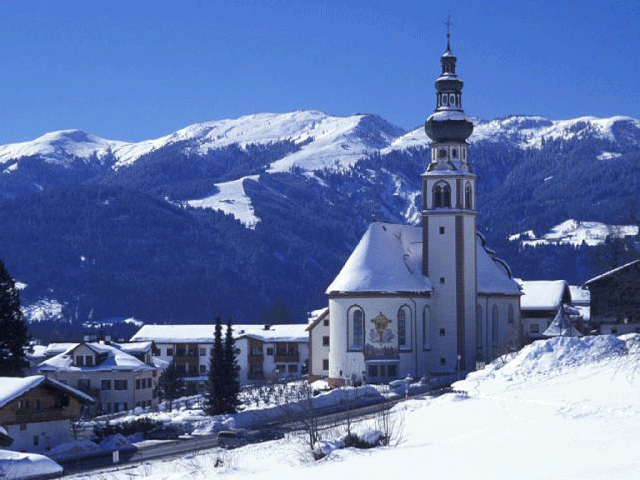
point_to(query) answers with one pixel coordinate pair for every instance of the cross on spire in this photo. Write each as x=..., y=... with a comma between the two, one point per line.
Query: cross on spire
x=448, y=24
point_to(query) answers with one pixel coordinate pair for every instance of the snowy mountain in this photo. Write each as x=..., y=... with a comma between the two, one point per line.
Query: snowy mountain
x=235, y=217
x=576, y=233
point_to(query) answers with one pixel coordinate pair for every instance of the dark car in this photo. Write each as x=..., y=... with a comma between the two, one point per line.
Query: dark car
x=165, y=432
x=232, y=438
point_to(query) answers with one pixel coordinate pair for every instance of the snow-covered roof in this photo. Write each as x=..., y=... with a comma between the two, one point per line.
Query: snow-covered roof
x=12, y=388
x=135, y=347
x=543, y=294
x=279, y=333
x=387, y=259
x=175, y=333
x=115, y=359
x=205, y=333
x=315, y=316
x=580, y=295
x=494, y=277
x=610, y=272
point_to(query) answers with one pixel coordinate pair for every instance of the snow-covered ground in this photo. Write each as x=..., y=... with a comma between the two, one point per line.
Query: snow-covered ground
x=564, y=408
x=574, y=233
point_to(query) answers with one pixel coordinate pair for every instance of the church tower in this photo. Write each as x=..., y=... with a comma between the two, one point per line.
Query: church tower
x=449, y=224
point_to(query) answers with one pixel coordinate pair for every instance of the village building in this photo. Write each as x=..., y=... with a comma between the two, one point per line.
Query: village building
x=36, y=412
x=428, y=300
x=319, y=343
x=119, y=377
x=615, y=300
x=540, y=304
x=264, y=352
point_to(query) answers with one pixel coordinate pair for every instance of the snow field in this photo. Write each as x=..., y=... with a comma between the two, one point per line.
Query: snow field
x=564, y=408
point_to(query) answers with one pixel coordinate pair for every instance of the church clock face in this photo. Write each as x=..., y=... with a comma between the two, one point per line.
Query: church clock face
x=442, y=153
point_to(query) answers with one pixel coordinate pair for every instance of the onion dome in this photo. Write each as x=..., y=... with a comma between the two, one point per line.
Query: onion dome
x=448, y=123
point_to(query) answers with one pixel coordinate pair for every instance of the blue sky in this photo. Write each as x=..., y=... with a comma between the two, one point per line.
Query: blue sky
x=137, y=69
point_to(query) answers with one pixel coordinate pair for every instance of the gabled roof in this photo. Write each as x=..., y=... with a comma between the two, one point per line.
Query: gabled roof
x=115, y=359
x=544, y=294
x=12, y=388
x=316, y=317
x=387, y=259
x=610, y=272
x=175, y=333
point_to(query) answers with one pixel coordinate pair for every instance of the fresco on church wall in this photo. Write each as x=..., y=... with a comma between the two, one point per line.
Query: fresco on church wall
x=380, y=338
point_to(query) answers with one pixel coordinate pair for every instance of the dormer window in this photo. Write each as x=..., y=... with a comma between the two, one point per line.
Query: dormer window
x=89, y=360
x=79, y=360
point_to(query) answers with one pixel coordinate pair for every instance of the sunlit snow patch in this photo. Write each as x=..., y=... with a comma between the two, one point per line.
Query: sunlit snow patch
x=232, y=199
x=572, y=232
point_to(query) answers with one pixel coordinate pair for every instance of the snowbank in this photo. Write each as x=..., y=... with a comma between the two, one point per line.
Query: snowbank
x=18, y=466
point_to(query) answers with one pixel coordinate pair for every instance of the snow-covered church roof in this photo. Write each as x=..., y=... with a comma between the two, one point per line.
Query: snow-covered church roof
x=388, y=259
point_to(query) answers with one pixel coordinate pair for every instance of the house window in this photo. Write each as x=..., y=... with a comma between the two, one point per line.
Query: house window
x=36, y=439
x=203, y=352
x=269, y=350
x=441, y=230
x=404, y=327
x=84, y=384
x=510, y=314
x=325, y=364
x=325, y=341
x=443, y=361
x=169, y=352
x=442, y=332
x=149, y=382
x=494, y=325
x=293, y=368
x=357, y=328
x=23, y=427
x=325, y=322
x=442, y=281
x=426, y=328
x=137, y=384
x=534, y=328
x=392, y=371
x=119, y=384
x=89, y=360
x=373, y=370
x=203, y=369
x=281, y=368
x=105, y=385
x=79, y=360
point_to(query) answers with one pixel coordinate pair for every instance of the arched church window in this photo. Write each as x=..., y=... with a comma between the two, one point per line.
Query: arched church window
x=494, y=325
x=441, y=195
x=446, y=195
x=467, y=196
x=404, y=327
x=479, y=329
x=426, y=328
x=356, y=328
x=510, y=314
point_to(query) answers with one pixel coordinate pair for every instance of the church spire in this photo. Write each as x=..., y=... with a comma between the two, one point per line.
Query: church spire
x=448, y=24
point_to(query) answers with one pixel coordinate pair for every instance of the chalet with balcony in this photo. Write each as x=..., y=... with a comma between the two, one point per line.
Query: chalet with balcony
x=36, y=411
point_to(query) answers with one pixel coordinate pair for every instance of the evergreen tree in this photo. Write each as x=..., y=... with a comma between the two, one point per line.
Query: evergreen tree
x=215, y=384
x=231, y=372
x=14, y=339
x=170, y=384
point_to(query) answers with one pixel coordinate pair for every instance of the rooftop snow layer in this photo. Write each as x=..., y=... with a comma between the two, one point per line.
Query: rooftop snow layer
x=116, y=359
x=279, y=333
x=543, y=294
x=388, y=258
x=205, y=333
x=13, y=387
x=610, y=272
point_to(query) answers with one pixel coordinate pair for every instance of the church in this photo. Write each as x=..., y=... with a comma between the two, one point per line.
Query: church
x=422, y=300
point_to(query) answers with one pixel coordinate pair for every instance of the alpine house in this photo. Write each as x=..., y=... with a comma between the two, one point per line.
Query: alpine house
x=427, y=300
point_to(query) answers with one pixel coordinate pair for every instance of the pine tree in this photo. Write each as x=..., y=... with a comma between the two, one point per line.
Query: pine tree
x=170, y=385
x=231, y=372
x=14, y=339
x=215, y=385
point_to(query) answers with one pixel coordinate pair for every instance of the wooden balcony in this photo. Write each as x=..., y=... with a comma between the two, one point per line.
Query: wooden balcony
x=290, y=357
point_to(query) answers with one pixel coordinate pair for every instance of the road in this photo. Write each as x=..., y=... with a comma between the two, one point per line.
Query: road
x=188, y=444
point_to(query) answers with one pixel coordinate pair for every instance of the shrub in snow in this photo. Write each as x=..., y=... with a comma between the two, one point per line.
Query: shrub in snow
x=126, y=428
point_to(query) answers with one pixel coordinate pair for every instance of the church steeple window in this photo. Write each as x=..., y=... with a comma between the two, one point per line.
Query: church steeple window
x=441, y=195
x=467, y=197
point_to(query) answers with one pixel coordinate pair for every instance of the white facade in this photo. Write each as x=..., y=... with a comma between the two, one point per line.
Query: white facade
x=39, y=437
